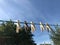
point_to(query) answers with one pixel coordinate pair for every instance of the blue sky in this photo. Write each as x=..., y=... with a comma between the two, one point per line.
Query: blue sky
x=47, y=11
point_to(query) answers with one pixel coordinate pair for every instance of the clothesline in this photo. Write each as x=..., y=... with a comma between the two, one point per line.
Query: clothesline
x=30, y=23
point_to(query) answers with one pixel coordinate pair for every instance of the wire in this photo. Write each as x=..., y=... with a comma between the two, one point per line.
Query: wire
x=29, y=23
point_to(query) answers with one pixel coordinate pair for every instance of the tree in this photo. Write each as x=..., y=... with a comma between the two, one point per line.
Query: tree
x=8, y=31
x=55, y=35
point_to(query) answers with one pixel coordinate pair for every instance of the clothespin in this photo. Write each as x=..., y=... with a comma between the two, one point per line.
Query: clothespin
x=32, y=27
x=25, y=25
x=48, y=28
x=18, y=26
x=41, y=26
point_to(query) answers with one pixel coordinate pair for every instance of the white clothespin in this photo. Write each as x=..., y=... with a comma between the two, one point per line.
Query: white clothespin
x=41, y=27
x=32, y=27
x=18, y=26
x=48, y=28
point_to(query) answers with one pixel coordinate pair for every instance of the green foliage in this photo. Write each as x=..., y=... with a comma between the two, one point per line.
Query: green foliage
x=55, y=35
x=10, y=37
